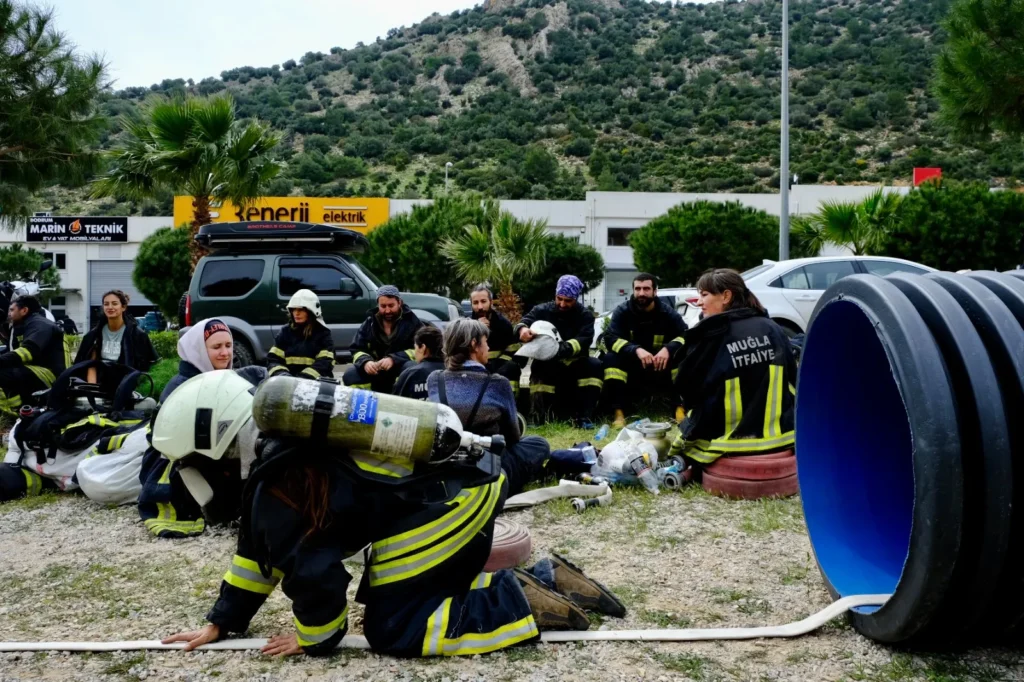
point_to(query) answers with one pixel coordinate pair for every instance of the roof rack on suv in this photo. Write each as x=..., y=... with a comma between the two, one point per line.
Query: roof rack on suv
x=280, y=236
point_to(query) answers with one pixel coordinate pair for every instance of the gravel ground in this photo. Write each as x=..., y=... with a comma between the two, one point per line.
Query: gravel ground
x=72, y=570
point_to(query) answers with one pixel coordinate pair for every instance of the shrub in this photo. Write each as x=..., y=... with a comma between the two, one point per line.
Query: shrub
x=681, y=244
x=163, y=270
x=953, y=226
x=165, y=344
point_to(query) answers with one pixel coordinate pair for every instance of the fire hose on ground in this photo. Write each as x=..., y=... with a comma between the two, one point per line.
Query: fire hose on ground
x=796, y=629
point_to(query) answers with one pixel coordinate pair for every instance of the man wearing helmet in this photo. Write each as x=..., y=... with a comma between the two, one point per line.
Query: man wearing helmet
x=572, y=373
x=304, y=347
x=384, y=343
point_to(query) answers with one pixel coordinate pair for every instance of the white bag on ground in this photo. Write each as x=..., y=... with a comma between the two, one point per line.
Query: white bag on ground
x=114, y=478
x=61, y=469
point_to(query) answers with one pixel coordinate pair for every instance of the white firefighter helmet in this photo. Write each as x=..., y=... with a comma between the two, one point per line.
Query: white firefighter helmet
x=544, y=346
x=304, y=298
x=203, y=415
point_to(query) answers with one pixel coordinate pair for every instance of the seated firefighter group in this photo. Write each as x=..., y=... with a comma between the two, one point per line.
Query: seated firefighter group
x=424, y=588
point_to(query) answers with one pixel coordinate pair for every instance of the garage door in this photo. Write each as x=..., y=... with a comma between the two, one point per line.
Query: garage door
x=618, y=286
x=105, y=275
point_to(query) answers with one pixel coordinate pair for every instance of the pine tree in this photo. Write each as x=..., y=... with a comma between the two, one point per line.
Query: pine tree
x=980, y=75
x=47, y=96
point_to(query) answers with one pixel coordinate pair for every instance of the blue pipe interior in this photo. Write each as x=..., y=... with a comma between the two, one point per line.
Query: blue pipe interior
x=855, y=454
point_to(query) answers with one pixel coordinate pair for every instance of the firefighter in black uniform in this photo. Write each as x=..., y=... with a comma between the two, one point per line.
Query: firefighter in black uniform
x=738, y=377
x=643, y=345
x=572, y=374
x=501, y=339
x=304, y=347
x=37, y=356
x=424, y=587
x=412, y=382
x=383, y=344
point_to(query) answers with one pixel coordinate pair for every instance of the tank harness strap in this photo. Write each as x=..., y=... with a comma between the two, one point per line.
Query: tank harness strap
x=442, y=395
x=322, y=410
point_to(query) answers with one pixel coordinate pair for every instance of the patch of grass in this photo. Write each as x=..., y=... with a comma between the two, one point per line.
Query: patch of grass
x=527, y=652
x=795, y=573
x=933, y=669
x=122, y=667
x=162, y=372
x=693, y=666
x=563, y=435
x=630, y=595
x=762, y=517
x=664, y=619
x=44, y=499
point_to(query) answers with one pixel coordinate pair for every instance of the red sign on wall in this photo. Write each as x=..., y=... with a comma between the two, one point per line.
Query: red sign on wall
x=926, y=174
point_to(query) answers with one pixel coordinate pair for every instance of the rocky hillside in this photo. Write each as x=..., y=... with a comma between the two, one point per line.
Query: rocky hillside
x=546, y=99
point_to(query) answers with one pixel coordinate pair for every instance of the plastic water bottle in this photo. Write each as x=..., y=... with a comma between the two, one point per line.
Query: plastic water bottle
x=641, y=466
x=602, y=433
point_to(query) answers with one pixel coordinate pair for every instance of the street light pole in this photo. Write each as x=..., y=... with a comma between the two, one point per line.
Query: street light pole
x=446, y=167
x=784, y=169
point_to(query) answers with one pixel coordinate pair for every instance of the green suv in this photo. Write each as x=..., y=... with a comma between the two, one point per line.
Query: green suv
x=254, y=268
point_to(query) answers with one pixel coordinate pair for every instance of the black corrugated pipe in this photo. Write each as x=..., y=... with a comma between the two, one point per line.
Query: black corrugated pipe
x=908, y=415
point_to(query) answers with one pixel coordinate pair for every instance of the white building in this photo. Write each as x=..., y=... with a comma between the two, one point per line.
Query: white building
x=90, y=268
x=604, y=220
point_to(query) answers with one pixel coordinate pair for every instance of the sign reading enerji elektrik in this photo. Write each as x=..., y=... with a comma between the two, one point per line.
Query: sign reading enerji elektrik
x=354, y=213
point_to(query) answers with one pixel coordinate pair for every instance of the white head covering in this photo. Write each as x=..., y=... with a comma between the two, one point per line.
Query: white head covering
x=192, y=344
x=304, y=298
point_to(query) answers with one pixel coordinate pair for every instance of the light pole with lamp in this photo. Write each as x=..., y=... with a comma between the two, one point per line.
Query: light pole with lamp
x=446, y=167
x=784, y=160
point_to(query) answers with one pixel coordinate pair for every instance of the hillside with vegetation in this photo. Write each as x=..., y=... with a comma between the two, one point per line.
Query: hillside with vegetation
x=546, y=99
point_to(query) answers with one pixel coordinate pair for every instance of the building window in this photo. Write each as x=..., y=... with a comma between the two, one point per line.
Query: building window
x=60, y=260
x=58, y=307
x=619, y=236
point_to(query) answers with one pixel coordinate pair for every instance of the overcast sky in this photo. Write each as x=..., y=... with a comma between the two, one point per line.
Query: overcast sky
x=145, y=41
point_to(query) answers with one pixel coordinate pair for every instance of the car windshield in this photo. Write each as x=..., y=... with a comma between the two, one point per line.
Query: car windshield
x=366, y=271
x=754, y=272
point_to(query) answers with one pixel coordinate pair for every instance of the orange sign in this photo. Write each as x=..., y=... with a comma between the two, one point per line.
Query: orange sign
x=354, y=213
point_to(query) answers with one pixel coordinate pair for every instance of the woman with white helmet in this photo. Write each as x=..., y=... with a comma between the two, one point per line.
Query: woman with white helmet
x=304, y=347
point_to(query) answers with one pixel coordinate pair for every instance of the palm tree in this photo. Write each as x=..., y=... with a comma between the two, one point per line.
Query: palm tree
x=860, y=226
x=500, y=250
x=191, y=146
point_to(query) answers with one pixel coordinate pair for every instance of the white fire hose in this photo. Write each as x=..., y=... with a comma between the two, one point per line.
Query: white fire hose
x=800, y=627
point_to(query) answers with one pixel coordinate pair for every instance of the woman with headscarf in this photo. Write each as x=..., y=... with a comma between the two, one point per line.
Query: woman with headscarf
x=737, y=380
x=304, y=347
x=207, y=346
x=166, y=506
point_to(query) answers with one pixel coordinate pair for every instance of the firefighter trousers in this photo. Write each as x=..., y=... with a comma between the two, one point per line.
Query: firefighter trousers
x=17, y=384
x=625, y=378
x=381, y=382
x=16, y=482
x=566, y=388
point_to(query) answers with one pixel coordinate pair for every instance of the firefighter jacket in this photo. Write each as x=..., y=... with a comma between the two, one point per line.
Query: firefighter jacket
x=632, y=327
x=575, y=326
x=38, y=345
x=371, y=343
x=500, y=338
x=737, y=383
x=308, y=357
x=412, y=382
x=136, y=349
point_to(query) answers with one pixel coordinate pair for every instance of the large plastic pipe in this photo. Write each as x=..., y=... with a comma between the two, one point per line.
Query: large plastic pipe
x=908, y=401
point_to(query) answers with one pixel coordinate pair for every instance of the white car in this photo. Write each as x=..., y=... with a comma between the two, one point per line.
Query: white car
x=790, y=289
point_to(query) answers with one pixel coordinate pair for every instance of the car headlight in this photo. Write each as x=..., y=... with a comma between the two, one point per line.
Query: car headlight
x=454, y=312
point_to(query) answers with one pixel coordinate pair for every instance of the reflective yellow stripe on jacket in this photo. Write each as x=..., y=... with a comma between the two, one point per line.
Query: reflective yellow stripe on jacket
x=310, y=635
x=245, y=575
x=418, y=550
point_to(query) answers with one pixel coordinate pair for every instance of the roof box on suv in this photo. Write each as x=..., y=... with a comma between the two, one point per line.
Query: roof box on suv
x=276, y=237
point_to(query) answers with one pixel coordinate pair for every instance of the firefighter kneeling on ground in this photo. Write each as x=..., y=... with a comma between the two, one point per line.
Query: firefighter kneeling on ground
x=737, y=380
x=305, y=509
x=644, y=343
x=572, y=374
x=38, y=354
x=304, y=347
